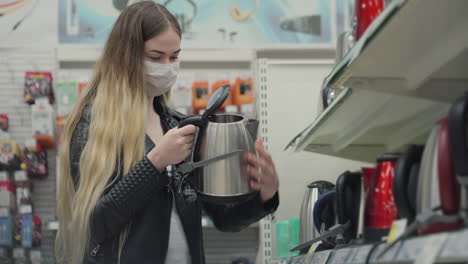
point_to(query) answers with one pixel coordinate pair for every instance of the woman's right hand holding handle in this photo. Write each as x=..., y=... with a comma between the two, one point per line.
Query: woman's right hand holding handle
x=174, y=147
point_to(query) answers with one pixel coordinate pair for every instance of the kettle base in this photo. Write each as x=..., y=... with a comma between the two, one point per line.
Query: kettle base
x=226, y=199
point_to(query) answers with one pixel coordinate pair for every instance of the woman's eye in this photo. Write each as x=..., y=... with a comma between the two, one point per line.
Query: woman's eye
x=174, y=58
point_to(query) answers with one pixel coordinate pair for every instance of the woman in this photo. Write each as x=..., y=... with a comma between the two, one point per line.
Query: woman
x=117, y=202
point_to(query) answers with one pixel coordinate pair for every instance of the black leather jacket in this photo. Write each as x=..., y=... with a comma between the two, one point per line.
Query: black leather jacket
x=142, y=202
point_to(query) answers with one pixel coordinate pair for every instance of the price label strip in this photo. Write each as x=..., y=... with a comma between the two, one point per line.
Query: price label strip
x=432, y=246
x=360, y=254
x=455, y=249
x=320, y=257
x=410, y=249
x=342, y=256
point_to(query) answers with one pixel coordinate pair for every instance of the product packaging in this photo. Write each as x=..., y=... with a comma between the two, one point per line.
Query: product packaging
x=43, y=126
x=200, y=95
x=23, y=190
x=181, y=96
x=28, y=232
x=4, y=122
x=7, y=194
x=10, y=155
x=35, y=159
x=38, y=85
x=6, y=231
x=81, y=87
x=243, y=91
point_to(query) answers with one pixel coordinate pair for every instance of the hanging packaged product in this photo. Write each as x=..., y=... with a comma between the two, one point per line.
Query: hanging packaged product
x=7, y=194
x=7, y=225
x=181, y=96
x=200, y=96
x=10, y=155
x=28, y=231
x=81, y=87
x=38, y=85
x=67, y=96
x=243, y=91
x=43, y=126
x=35, y=159
x=4, y=122
x=23, y=191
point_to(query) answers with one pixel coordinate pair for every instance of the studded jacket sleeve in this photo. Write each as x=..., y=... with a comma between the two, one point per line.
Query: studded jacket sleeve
x=125, y=197
x=234, y=217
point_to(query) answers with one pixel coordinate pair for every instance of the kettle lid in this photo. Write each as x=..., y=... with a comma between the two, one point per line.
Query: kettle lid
x=217, y=99
x=320, y=184
x=389, y=157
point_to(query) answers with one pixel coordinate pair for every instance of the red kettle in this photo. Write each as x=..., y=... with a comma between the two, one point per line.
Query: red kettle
x=380, y=209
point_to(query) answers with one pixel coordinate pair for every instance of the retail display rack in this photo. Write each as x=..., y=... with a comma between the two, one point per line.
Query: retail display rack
x=400, y=76
x=438, y=248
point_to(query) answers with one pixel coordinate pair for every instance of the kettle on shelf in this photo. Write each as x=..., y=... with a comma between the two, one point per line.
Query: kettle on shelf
x=458, y=136
x=313, y=192
x=380, y=209
x=349, y=203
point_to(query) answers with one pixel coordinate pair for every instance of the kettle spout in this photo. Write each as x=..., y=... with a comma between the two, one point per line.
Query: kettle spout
x=252, y=127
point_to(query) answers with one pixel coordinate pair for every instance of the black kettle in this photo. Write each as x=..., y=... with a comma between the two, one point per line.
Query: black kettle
x=458, y=133
x=350, y=203
x=405, y=183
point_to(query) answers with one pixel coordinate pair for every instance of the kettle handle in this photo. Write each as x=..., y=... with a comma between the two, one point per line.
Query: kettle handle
x=410, y=158
x=449, y=188
x=345, y=181
x=457, y=132
x=196, y=120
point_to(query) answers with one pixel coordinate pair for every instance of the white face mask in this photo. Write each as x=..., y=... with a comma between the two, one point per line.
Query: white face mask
x=160, y=77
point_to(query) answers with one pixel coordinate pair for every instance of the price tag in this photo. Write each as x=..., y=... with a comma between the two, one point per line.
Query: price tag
x=4, y=212
x=313, y=247
x=360, y=254
x=204, y=222
x=455, y=247
x=19, y=253
x=3, y=176
x=20, y=175
x=320, y=257
x=390, y=255
x=31, y=143
x=432, y=246
x=410, y=249
x=341, y=256
x=25, y=209
x=377, y=252
x=35, y=256
x=4, y=136
x=398, y=228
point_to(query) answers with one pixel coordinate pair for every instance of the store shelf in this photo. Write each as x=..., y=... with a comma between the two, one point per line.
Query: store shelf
x=414, y=48
x=362, y=125
x=446, y=247
x=89, y=53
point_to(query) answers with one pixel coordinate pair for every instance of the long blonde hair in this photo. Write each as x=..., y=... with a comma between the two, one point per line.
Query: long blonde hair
x=118, y=100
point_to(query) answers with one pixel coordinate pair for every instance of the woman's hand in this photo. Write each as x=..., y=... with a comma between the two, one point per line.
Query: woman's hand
x=174, y=147
x=262, y=172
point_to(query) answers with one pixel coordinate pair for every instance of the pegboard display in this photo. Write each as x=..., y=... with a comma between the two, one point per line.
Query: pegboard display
x=13, y=65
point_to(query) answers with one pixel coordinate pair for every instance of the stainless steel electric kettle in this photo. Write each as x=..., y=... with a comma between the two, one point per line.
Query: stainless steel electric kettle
x=228, y=136
x=307, y=230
